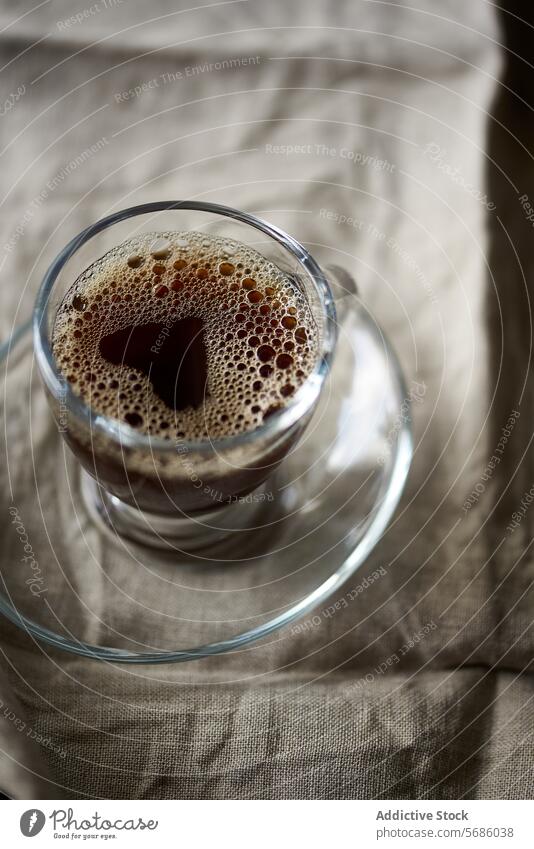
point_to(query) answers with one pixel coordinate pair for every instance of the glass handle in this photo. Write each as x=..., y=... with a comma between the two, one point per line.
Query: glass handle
x=344, y=288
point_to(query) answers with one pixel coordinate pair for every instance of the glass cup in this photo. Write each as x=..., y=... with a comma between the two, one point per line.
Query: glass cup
x=183, y=493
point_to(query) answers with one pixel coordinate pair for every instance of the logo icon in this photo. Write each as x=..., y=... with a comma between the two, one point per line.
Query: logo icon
x=32, y=822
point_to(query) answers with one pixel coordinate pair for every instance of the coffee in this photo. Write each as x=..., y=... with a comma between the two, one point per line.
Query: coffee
x=185, y=336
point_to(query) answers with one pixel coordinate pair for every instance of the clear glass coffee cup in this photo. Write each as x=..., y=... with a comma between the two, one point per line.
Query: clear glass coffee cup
x=159, y=491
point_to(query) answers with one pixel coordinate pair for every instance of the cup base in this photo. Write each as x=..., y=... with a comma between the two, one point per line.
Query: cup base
x=205, y=531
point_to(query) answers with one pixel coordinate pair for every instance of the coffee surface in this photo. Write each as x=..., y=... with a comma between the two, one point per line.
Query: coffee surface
x=183, y=335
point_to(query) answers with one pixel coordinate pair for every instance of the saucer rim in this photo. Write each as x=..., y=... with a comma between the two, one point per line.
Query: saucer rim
x=377, y=522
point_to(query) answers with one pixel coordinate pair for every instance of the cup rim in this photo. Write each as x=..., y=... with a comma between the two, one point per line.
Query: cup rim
x=279, y=421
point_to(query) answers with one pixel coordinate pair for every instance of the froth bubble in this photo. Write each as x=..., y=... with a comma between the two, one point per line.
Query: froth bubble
x=135, y=260
x=160, y=249
x=79, y=303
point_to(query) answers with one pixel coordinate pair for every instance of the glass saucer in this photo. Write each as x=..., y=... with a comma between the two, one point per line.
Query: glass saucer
x=70, y=583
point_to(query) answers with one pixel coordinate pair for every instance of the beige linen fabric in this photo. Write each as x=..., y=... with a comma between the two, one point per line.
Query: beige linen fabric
x=406, y=93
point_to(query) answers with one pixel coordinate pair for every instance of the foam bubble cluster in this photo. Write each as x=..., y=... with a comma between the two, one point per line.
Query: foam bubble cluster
x=259, y=335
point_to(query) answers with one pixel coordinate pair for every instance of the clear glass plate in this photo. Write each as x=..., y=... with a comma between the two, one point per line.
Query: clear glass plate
x=71, y=584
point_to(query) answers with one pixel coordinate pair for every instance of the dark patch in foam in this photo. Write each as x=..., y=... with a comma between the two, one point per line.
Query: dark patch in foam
x=173, y=357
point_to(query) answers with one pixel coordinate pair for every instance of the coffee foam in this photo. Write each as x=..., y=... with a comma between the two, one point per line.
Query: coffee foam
x=259, y=332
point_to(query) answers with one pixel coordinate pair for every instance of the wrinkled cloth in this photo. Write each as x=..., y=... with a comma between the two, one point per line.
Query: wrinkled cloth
x=388, y=140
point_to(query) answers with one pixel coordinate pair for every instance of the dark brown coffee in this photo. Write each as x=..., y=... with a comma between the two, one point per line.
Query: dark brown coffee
x=178, y=373
x=182, y=335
